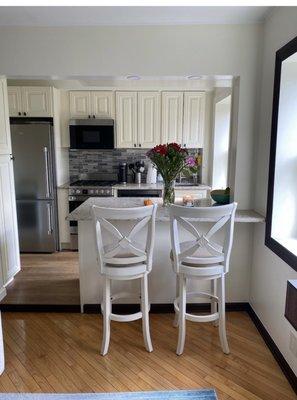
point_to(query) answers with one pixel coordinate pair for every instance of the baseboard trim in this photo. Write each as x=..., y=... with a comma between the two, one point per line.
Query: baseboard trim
x=163, y=308
x=285, y=367
x=43, y=308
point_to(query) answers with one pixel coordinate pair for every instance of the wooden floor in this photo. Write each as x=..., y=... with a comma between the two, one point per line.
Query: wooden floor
x=60, y=353
x=46, y=279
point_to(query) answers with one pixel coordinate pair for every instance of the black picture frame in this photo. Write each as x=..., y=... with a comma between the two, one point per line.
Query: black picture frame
x=287, y=256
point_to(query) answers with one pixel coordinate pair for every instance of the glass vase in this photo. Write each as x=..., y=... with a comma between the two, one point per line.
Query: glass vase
x=168, y=193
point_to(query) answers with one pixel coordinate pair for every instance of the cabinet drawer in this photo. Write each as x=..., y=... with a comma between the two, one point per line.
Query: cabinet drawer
x=196, y=193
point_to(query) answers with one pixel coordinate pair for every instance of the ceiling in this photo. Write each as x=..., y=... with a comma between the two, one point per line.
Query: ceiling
x=93, y=16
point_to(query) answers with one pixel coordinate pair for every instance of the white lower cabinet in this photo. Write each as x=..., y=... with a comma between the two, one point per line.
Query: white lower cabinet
x=9, y=242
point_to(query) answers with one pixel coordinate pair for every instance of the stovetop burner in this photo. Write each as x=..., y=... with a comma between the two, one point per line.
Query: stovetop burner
x=92, y=182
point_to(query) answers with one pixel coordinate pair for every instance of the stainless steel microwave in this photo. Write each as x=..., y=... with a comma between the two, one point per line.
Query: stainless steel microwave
x=91, y=133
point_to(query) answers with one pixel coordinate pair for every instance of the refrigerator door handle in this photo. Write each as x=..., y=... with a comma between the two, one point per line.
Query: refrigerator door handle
x=47, y=179
x=49, y=219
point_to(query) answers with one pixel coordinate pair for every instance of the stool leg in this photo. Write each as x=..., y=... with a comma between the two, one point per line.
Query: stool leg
x=175, y=322
x=182, y=315
x=222, y=316
x=106, y=317
x=214, y=305
x=145, y=314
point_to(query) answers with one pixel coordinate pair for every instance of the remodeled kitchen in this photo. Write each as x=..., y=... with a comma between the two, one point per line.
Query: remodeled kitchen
x=97, y=136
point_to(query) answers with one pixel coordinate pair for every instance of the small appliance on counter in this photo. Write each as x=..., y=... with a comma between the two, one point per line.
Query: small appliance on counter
x=151, y=176
x=123, y=173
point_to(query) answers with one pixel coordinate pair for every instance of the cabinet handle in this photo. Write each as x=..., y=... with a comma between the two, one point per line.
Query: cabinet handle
x=89, y=116
x=139, y=145
x=19, y=113
x=185, y=145
x=94, y=116
x=25, y=113
x=134, y=145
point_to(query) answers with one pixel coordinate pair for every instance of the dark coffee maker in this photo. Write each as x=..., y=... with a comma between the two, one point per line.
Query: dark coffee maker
x=123, y=173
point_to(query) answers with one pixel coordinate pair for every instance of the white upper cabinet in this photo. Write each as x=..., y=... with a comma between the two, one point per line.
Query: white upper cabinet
x=102, y=104
x=194, y=111
x=148, y=119
x=37, y=101
x=9, y=243
x=91, y=104
x=5, y=142
x=80, y=104
x=172, y=117
x=30, y=101
x=126, y=119
x=15, y=101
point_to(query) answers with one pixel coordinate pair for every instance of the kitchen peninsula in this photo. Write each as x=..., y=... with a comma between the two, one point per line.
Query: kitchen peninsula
x=162, y=278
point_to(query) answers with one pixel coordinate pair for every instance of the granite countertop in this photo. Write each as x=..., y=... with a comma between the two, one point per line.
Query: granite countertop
x=129, y=186
x=145, y=186
x=82, y=213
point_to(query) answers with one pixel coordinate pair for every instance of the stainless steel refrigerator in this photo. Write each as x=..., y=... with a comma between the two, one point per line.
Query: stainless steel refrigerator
x=34, y=174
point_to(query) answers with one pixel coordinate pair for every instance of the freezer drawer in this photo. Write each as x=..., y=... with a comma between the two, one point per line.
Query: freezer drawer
x=36, y=221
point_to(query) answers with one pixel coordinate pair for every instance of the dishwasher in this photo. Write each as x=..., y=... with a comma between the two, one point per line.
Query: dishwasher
x=139, y=193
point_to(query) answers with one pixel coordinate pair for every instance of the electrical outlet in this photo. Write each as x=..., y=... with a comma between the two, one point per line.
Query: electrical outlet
x=293, y=343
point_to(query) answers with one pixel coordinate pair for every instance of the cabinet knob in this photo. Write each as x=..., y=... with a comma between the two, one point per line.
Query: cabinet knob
x=94, y=116
x=25, y=113
x=185, y=145
x=139, y=145
x=19, y=113
x=89, y=116
x=134, y=144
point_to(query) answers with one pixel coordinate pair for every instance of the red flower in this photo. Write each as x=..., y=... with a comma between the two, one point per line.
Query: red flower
x=160, y=149
x=175, y=146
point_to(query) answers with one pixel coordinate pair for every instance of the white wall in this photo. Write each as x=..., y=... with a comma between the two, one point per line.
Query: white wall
x=148, y=51
x=269, y=272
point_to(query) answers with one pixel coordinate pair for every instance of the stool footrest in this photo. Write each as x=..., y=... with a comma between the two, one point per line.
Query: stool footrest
x=125, y=318
x=202, y=318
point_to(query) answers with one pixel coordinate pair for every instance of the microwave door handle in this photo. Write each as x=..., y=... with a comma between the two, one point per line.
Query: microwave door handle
x=47, y=179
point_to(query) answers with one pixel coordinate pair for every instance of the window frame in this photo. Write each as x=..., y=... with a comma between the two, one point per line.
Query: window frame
x=281, y=55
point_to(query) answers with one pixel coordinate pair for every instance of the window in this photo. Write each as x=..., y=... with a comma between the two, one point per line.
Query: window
x=281, y=227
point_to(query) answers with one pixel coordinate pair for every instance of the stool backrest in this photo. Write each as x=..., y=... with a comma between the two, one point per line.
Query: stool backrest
x=122, y=242
x=220, y=216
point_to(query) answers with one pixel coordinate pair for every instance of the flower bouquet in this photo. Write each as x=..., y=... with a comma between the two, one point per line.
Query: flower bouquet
x=192, y=166
x=169, y=160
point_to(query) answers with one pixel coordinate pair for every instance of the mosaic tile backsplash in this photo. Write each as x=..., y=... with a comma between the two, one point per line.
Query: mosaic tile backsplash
x=105, y=161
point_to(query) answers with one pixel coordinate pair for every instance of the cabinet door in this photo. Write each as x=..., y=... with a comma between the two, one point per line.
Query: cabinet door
x=172, y=117
x=126, y=110
x=5, y=143
x=15, y=101
x=148, y=119
x=9, y=243
x=194, y=109
x=80, y=104
x=102, y=104
x=37, y=101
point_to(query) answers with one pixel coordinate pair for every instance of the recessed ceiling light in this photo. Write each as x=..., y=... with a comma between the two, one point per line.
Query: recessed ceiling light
x=194, y=77
x=133, y=77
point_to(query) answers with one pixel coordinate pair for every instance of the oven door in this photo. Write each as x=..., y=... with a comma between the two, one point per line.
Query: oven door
x=91, y=136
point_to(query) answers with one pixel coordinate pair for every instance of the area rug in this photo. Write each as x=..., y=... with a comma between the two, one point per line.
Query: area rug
x=163, y=395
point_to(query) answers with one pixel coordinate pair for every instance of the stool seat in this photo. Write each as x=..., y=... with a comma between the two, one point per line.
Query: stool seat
x=125, y=271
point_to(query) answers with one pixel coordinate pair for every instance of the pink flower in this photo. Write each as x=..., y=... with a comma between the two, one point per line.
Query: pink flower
x=190, y=161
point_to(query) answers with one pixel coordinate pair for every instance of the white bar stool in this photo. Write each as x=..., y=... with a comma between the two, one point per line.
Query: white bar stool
x=201, y=259
x=124, y=259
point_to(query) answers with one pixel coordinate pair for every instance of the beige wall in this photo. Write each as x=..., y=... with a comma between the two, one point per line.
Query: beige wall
x=153, y=51
x=269, y=273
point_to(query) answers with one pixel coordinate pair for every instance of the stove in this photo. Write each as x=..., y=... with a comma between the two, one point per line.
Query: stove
x=87, y=186
x=92, y=185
